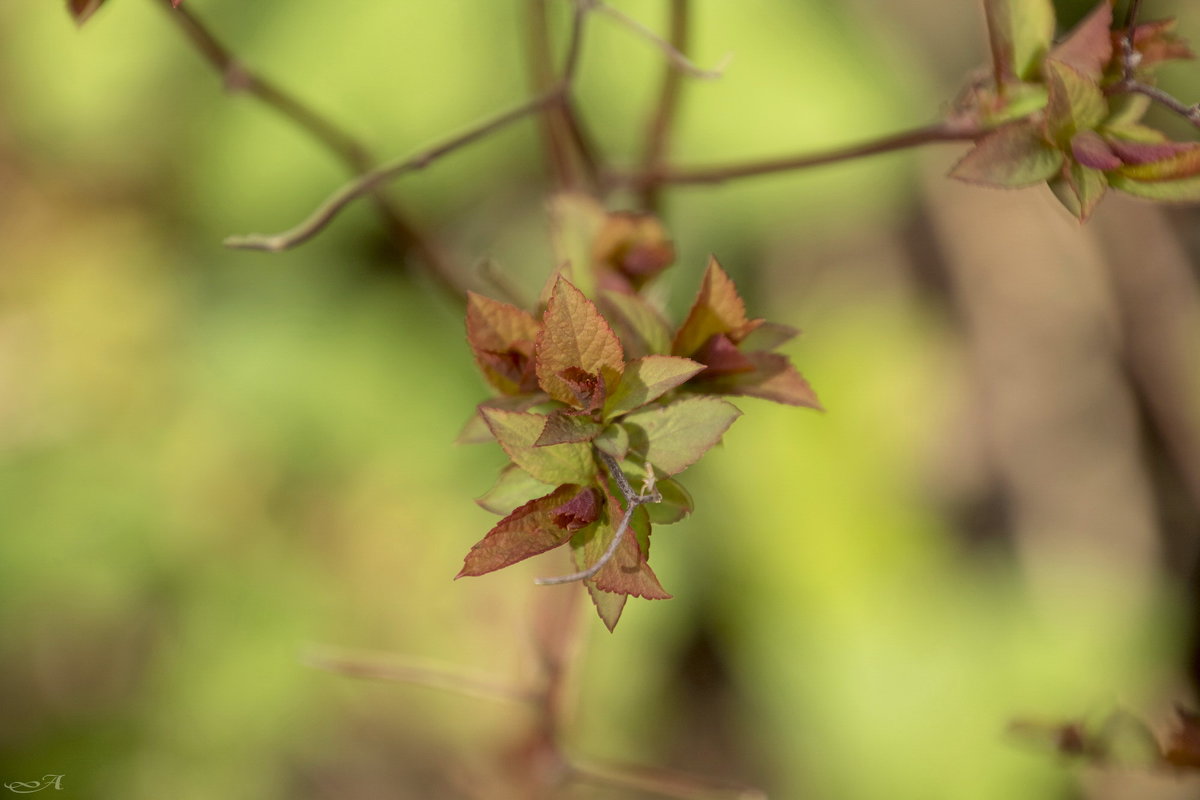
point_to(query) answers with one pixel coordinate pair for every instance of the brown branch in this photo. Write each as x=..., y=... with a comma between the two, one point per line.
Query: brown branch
x=1129, y=84
x=352, y=153
x=632, y=500
x=375, y=666
x=668, y=49
x=664, y=783
x=658, y=133
x=949, y=131
x=369, y=181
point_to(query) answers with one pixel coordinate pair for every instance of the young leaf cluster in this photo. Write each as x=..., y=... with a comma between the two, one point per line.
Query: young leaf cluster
x=596, y=395
x=1070, y=114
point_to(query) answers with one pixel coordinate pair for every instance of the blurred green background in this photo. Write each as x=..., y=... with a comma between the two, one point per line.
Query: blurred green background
x=211, y=460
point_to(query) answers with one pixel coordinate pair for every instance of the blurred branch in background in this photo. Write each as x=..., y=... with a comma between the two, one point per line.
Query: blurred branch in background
x=349, y=150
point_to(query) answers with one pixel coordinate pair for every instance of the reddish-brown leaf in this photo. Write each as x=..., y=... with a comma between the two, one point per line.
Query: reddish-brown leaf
x=532, y=529
x=502, y=339
x=578, y=512
x=718, y=308
x=722, y=357
x=1090, y=150
x=628, y=572
x=1135, y=153
x=575, y=336
x=774, y=378
x=634, y=246
x=1156, y=42
x=1089, y=46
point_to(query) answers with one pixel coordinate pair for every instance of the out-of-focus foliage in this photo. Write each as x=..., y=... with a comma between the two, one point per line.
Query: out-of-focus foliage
x=210, y=460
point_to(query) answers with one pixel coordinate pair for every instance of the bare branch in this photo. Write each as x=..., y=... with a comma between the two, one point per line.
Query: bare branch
x=668, y=49
x=948, y=131
x=371, y=180
x=632, y=500
x=664, y=783
x=658, y=133
x=1129, y=84
x=376, y=666
x=352, y=153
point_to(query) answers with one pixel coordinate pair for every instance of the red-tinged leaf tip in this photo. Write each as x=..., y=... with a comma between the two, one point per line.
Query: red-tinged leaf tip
x=718, y=308
x=722, y=356
x=1011, y=157
x=1090, y=150
x=574, y=335
x=647, y=379
x=1089, y=46
x=81, y=10
x=774, y=378
x=578, y=512
x=675, y=436
x=1156, y=42
x=527, y=531
x=633, y=245
x=502, y=337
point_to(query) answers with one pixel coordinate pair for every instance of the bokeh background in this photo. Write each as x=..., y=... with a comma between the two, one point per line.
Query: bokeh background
x=213, y=461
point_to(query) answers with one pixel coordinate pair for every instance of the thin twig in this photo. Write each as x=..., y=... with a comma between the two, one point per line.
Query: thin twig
x=369, y=181
x=682, y=176
x=352, y=153
x=658, y=133
x=664, y=783
x=632, y=500
x=668, y=49
x=552, y=124
x=1129, y=84
x=393, y=668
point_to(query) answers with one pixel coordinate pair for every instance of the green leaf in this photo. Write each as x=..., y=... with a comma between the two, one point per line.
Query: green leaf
x=476, y=430
x=501, y=338
x=1010, y=157
x=608, y=605
x=1080, y=189
x=614, y=441
x=1128, y=109
x=514, y=487
x=574, y=336
x=1089, y=46
x=1020, y=32
x=1179, y=191
x=640, y=327
x=563, y=427
x=675, y=436
x=518, y=432
x=718, y=308
x=529, y=530
x=1076, y=102
x=646, y=379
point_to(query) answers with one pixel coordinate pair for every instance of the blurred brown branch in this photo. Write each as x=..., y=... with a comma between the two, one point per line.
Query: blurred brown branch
x=349, y=150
